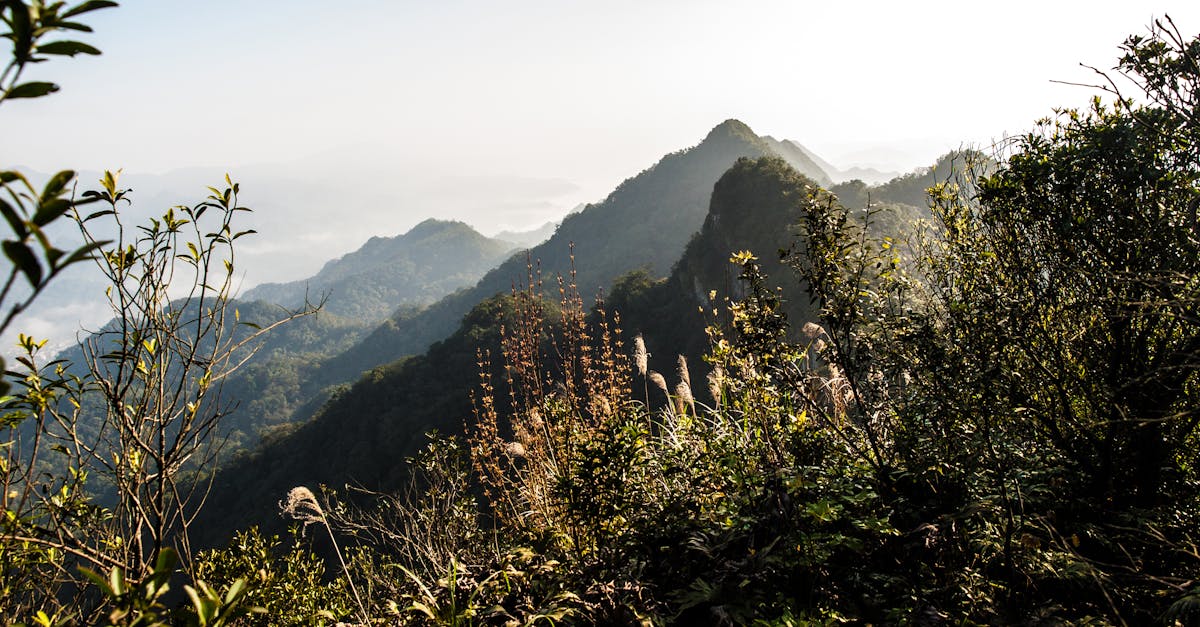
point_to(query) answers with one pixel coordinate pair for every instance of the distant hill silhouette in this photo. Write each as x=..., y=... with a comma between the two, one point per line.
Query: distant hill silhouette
x=431, y=260
x=529, y=238
x=802, y=160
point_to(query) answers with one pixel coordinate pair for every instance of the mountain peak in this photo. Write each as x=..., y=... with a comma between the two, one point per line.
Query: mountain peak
x=731, y=128
x=432, y=225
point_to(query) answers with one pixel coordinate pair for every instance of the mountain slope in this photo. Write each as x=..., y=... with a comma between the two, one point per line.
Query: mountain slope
x=431, y=260
x=363, y=433
x=802, y=160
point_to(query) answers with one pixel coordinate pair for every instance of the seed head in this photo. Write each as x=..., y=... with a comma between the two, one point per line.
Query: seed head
x=659, y=381
x=683, y=394
x=640, y=356
x=684, y=377
x=715, y=378
x=514, y=449
x=301, y=504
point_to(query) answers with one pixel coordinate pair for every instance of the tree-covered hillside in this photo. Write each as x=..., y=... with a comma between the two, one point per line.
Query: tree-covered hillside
x=757, y=207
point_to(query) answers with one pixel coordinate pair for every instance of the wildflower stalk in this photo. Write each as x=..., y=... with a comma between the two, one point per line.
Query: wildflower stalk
x=302, y=505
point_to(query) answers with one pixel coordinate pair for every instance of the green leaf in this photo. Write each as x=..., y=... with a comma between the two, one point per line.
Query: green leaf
x=109, y=182
x=34, y=89
x=196, y=602
x=51, y=211
x=117, y=579
x=24, y=259
x=97, y=214
x=67, y=48
x=417, y=606
x=235, y=591
x=98, y=580
x=22, y=32
x=83, y=28
x=85, y=252
x=90, y=5
x=15, y=221
x=166, y=561
x=56, y=184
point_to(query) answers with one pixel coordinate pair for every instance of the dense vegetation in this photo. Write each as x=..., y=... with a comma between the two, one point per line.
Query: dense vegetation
x=993, y=422
x=978, y=411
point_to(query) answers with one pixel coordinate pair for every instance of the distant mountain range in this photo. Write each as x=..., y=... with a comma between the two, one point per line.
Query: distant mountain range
x=644, y=223
x=291, y=206
x=532, y=237
x=361, y=288
x=833, y=174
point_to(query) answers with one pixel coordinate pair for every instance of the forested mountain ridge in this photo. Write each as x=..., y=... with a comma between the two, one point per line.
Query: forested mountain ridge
x=295, y=368
x=361, y=436
x=644, y=223
x=416, y=268
x=755, y=208
x=754, y=205
x=633, y=229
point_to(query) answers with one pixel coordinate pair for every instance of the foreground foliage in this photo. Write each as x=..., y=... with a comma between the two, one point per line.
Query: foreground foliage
x=992, y=423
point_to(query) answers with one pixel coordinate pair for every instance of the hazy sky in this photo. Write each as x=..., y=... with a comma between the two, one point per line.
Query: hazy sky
x=585, y=92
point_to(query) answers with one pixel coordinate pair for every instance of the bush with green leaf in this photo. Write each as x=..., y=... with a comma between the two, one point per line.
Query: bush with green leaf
x=286, y=580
